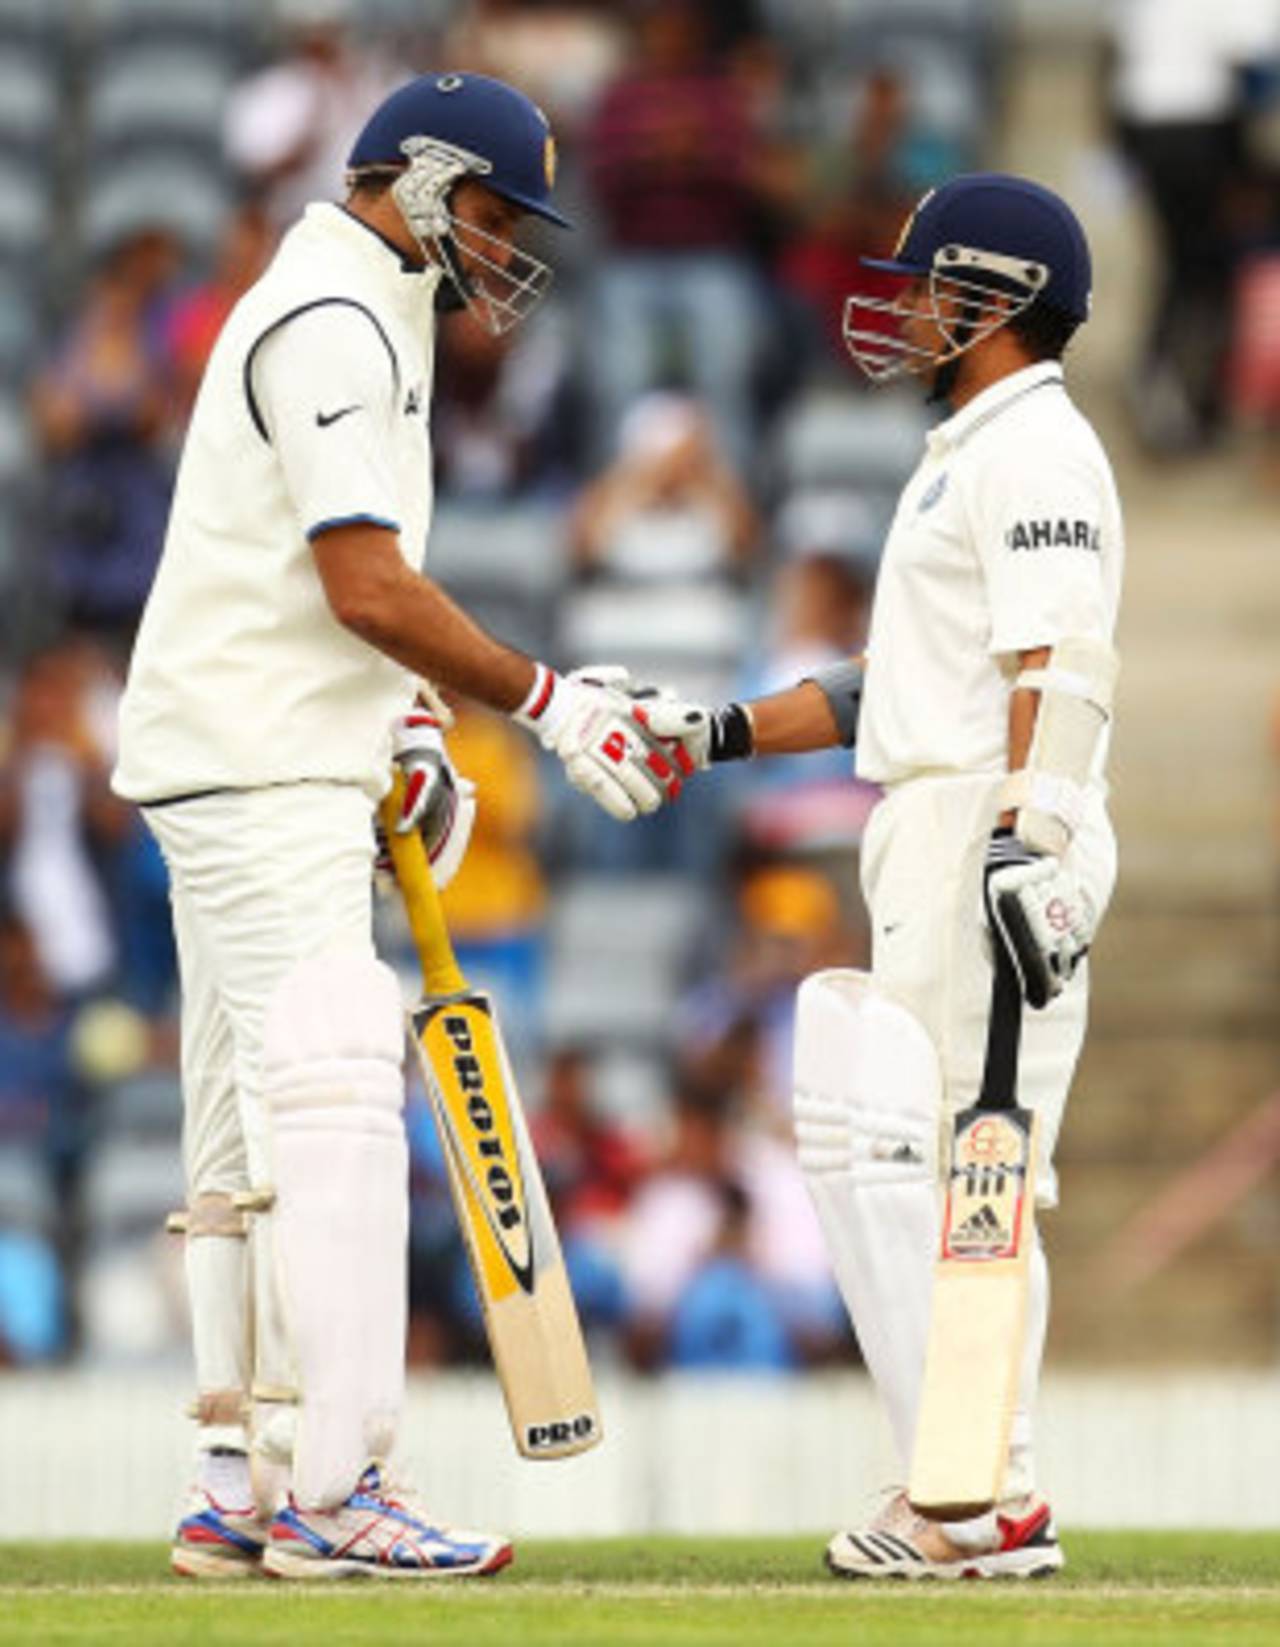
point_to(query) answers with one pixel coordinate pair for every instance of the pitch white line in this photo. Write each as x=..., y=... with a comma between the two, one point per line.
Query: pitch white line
x=850, y=1593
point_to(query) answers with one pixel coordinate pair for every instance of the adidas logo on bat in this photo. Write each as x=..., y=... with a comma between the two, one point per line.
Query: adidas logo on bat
x=981, y=1223
x=983, y=1234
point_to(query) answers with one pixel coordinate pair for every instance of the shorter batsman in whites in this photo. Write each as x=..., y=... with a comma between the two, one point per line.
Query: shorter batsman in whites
x=982, y=710
x=271, y=686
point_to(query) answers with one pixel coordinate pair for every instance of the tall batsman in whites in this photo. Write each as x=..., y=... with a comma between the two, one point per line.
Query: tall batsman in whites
x=982, y=712
x=267, y=695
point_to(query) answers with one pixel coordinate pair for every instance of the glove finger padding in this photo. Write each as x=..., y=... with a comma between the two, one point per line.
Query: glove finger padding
x=437, y=801
x=1046, y=923
x=446, y=829
x=681, y=725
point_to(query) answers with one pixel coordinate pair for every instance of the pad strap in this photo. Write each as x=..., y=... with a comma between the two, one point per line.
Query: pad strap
x=229, y=1407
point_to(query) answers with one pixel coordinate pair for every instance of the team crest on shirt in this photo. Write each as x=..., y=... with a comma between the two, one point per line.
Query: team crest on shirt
x=934, y=494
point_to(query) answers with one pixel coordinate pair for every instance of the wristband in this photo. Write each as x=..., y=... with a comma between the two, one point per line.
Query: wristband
x=535, y=713
x=732, y=734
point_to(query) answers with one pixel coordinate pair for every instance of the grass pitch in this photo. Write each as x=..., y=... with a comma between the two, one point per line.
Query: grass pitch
x=1177, y=1590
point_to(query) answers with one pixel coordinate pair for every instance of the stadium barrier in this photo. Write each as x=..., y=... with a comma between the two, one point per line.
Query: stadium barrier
x=106, y=1455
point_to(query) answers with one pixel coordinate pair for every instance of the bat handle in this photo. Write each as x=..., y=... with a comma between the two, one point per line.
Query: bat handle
x=1004, y=1036
x=441, y=974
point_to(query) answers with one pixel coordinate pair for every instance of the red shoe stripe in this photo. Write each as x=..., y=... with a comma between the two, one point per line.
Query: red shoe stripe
x=1014, y=1534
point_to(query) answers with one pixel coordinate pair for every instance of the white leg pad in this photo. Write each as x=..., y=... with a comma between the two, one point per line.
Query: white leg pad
x=216, y=1261
x=1020, y=1475
x=332, y=1051
x=868, y=1101
x=217, y=1285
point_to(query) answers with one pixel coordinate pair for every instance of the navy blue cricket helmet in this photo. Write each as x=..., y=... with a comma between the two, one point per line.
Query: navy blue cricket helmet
x=1010, y=217
x=476, y=113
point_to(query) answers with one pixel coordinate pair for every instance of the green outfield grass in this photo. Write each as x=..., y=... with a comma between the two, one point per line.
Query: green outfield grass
x=1174, y=1590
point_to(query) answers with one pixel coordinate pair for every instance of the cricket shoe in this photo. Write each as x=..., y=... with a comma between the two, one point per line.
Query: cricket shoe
x=1016, y=1541
x=214, y=1541
x=379, y=1532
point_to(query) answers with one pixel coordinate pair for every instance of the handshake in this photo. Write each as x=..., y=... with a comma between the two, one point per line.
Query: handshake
x=628, y=746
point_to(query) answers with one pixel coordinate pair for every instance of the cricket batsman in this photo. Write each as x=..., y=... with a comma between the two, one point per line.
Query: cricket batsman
x=982, y=710
x=272, y=684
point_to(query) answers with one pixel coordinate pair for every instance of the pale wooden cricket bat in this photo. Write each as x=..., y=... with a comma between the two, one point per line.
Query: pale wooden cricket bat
x=498, y=1192
x=980, y=1283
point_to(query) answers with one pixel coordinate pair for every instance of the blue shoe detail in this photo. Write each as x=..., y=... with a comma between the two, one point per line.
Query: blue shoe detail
x=292, y=1522
x=208, y=1527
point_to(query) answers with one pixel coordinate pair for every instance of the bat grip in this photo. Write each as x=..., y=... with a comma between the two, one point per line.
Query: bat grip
x=441, y=974
x=1004, y=1035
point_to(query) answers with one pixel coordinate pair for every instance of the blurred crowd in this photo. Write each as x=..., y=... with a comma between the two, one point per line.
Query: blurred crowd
x=669, y=466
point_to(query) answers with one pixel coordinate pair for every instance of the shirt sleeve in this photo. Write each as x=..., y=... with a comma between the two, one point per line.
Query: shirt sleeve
x=323, y=386
x=1039, y=534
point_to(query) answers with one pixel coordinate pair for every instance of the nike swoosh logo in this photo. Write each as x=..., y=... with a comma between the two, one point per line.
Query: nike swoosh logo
x=324, y=419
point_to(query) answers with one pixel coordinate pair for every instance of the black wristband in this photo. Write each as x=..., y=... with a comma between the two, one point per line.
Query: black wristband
x=732, y=738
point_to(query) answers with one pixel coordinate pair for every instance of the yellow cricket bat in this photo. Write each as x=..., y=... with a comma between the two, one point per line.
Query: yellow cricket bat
x=501, y=1201
x=980, y=1284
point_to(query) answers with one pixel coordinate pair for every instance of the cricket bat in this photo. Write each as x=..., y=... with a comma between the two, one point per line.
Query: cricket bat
x=498, y=1191
x=980, y=1283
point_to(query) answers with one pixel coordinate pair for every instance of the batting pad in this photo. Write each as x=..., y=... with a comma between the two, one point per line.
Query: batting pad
x=868, y=1104
x=332, y=1049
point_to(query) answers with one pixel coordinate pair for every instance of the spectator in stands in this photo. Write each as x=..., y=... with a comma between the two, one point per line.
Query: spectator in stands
x=819, y=607
x=57, y=816
x=1178, y=100
x=669, y=508
x=727, y=1317
x=789, y=924
x=196, y=315
x=103, y=409
x=592, y=1167
x=668, y=533
x=43, y=1120
x=500, y=422
x=722, y=1248
x=495, y=902
x=673, y=163
x=857, y=193
x=289, y=127
x=559, y=52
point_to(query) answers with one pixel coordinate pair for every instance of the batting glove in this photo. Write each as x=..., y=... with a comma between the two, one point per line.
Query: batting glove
x=1039, y=912
x=438, y=802
x=707, y=736
x=591, y=720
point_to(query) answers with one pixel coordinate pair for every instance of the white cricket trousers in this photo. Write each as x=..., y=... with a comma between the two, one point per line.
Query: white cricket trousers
x=922, y=876
x=922, y=872
x=260, y=879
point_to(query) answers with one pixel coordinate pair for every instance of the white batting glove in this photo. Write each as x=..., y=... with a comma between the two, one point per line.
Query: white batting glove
x=591, y=721
x=438, y=802
x=1040, y=913
x=706, y=736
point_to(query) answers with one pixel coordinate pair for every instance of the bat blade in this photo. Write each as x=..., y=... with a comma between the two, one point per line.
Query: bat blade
x=976, y=1331
x=506, y=1221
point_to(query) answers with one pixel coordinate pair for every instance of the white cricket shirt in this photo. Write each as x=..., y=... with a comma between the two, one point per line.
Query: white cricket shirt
x=1007, y=537
x=313, y=412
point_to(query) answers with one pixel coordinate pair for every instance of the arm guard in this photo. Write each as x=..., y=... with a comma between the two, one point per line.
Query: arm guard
x=1076, y=690
x=841, y=685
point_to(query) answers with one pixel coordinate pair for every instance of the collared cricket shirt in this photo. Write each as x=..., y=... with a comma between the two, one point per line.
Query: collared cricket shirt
x=1007, y=537
x=313, y=412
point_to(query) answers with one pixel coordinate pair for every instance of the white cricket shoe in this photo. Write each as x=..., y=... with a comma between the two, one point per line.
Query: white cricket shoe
x=378, y=1532
x=1015, y=1541
x=218, y=1541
